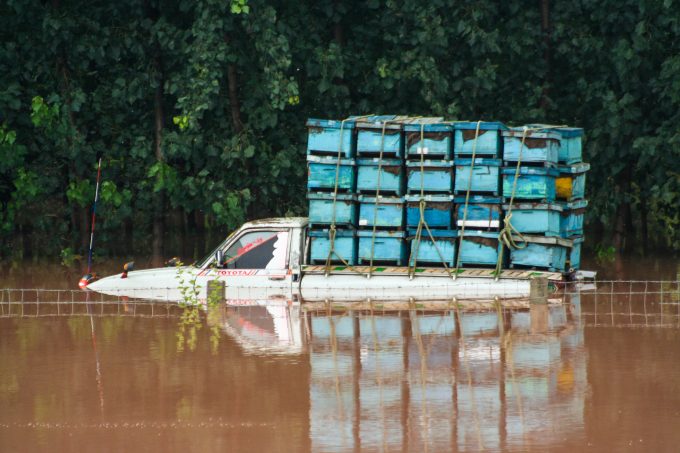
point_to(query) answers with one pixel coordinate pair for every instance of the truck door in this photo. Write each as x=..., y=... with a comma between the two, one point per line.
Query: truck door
x=256, y=258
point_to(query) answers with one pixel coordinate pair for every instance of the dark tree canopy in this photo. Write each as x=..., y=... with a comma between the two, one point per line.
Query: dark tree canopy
x=198, y=107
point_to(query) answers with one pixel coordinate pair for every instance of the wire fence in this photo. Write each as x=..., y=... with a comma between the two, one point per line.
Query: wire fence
x=615, y=303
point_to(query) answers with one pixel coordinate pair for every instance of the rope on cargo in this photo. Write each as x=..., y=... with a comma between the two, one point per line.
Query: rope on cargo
x=377, y=198
x=505, y=236
x=467, y=199
x=415, y=246
x=332, y=231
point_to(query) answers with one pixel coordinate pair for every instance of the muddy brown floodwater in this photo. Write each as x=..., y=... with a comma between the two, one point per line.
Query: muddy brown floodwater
x=598, y=372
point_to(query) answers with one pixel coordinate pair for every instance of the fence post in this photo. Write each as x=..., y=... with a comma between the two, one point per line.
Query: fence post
x=538, y=290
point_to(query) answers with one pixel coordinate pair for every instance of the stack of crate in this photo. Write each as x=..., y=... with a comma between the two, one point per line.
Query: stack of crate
x=549, y=227
x=429, y=169
x=478, y=149
x=380, y=190
x=331, y=150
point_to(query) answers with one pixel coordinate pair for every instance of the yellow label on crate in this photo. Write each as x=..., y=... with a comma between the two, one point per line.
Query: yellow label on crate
x=564, y=187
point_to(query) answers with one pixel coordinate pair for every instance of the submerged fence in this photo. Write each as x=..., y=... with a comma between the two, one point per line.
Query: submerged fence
x=632, y=303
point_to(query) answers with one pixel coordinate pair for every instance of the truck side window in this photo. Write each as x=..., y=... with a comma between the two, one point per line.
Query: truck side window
x=258, y=250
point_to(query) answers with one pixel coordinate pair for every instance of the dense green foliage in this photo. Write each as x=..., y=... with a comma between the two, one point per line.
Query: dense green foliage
x=198, y=107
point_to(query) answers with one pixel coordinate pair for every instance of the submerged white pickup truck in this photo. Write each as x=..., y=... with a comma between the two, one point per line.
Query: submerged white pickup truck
x=267, y=258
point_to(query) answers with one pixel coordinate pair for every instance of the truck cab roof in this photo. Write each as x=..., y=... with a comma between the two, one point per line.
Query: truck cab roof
x=283, y=222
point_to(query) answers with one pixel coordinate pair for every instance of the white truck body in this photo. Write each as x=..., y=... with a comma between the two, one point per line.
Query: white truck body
x=282, y=273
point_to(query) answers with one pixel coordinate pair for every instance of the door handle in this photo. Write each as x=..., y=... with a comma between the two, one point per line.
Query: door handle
x=277, y=277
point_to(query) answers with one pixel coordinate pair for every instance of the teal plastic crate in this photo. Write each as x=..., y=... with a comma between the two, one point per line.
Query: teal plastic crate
x=539, y=147
x=429, y=250
x=571, y=220
x=321, y=174
x=489, y=141
x=383, y=246
x=575, y=253
x=323, y=204
x=383, y=212
x=478, y=248
x=485, y=175
x=345, y=246
x=432, y=176
x=571, y=148
x=534, y=183
x=331, y=138
x=540, y=252
x=389, y=171
x=483, y=212
x=571, y=181
x=371, y=140
x=536, y=218
x=438, y=210
x=435, y=141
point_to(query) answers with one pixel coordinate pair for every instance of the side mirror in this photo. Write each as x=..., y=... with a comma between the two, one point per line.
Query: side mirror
x=218, y=258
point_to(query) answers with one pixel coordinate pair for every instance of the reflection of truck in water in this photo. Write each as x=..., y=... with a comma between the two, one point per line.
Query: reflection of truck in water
x=271, y=257
x=451, y=379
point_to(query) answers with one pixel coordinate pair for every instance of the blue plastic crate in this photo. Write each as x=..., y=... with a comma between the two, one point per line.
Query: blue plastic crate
x=438, y=210
x=482, y=212
x=540, y=252
x=534, y=183
x=536, y=218
x=539, y=147
x=571, y=182
x=380, y=134
x=432, y=176
x=434, y=141
x=571, y=148
x=322, y=173
x=571, y=220
x=429, y=251
x=575, y=253
x=384, y=246
x=331, y=137
x=345, y=246
x=485, y=175
x=489, y=142
x=391, y=172
x=381, y=211
x=479, y=248
x=323, y=204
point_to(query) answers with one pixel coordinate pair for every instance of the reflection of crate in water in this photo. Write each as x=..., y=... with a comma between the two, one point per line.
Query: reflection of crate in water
x=345, y=246
x=330, y=138
x=437, y=212
x=429, y=250
x=389, y=173
x=436, y=143
x=325, y=207
x=322, y=173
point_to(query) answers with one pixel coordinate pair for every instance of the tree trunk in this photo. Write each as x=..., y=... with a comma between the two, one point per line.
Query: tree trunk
x=547, y=53
x=159, y=198
x=234, y=104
